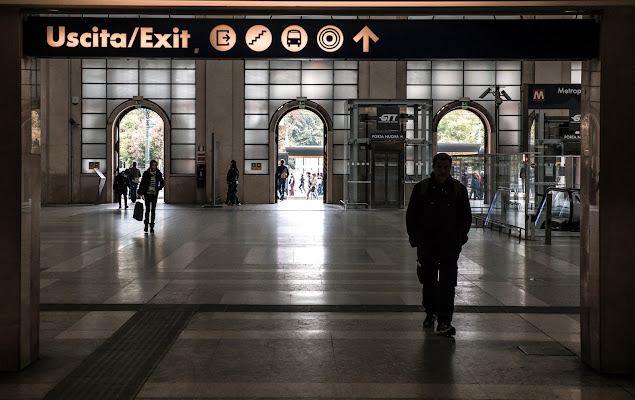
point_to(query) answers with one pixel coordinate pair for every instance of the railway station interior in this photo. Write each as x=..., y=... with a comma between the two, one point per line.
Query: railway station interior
x=314, y=294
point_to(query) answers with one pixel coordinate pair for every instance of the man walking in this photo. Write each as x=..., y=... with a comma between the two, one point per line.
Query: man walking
x=135, y=178
x=281, y=179
x=151, y=183
x=438, y=221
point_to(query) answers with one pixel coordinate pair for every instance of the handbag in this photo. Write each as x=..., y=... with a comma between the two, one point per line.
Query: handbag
x=138, y=211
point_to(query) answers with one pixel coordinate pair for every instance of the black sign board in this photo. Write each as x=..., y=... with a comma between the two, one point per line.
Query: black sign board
x=388, y=118
x=565, y=97
x=327, y=39
x=554, y=96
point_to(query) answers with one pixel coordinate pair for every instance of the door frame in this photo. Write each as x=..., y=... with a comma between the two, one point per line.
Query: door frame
x=328, y=145
x=113, y=121
x=387, y=147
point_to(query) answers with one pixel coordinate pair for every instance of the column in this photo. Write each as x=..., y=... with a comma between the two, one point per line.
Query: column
x=19, y=205
x=607, y=270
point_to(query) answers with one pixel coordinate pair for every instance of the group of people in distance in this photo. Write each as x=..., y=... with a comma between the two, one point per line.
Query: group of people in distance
x=146, y=186
x=314, y=183
x=285, y=184
x=476, y=183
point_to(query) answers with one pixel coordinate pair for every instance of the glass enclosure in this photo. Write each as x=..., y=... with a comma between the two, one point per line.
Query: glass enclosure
x=510, y=189
x=388, y=150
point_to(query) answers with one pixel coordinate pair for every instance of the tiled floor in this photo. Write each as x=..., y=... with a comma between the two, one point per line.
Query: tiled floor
x=99, y=269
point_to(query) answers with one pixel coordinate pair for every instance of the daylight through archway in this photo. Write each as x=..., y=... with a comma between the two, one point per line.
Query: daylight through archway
x=141, y=139
x=301, y=145
x=461, y=132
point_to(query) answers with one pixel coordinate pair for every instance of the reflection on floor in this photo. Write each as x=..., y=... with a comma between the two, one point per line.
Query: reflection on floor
x=307, y=302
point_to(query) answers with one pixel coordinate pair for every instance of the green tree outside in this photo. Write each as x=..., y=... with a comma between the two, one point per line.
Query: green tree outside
x=132, y=138
x=460, y=126
x=300, y=128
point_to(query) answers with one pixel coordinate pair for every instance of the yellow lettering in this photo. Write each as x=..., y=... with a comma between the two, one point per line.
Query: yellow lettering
x=119, y=40
x=61, y=33
x=162, y=41
x=175, y=38
x=84, y=39
x=184, y=37
x=104, y=35
x=72, y=39
x=95, y=39
x=146, y=38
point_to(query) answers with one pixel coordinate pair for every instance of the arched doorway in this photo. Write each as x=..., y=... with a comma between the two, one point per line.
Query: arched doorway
x=139, y=138
x=301, y=145
x=327, y=143
x=473, y=108
x=461, y=132
x=153, y=117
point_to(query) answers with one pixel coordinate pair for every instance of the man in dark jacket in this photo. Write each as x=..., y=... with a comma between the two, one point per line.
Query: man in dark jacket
x=282, y=172
x=120, y=186
x=151, y=183
x=438, y=220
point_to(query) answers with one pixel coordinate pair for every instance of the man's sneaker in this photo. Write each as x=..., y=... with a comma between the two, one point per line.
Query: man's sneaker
x=444, y=329
x=429, y=321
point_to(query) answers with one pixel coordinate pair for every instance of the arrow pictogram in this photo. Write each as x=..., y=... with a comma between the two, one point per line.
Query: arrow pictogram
x=366, y=34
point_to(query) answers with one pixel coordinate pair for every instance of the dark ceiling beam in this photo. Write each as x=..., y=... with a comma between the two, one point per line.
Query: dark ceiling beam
x=324, y=7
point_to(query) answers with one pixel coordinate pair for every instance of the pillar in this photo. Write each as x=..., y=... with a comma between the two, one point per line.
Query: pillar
x=19, y=204
x=607, y=270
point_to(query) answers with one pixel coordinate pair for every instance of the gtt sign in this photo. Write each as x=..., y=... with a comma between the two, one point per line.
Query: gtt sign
x=539, y=95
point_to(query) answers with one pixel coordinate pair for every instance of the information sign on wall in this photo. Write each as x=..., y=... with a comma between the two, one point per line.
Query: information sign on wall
x=563, y=97
x=388, y=118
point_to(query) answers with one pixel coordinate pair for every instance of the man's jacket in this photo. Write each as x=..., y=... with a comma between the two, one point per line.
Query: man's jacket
x=439, y=216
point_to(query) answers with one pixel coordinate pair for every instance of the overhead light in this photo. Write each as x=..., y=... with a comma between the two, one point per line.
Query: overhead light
x=485, y=93
x=506, y=96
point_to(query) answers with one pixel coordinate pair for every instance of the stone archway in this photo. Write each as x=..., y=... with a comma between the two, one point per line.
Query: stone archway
x=480, y=111
x=328, y=144
x=114, y=118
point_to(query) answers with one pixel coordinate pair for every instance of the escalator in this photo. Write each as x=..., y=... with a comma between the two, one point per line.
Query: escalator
x=565, y=210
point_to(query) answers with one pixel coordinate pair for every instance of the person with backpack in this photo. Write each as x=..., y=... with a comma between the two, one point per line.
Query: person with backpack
x=120, y=186
x=282, y=172
x=232, y=184
x=438, y=220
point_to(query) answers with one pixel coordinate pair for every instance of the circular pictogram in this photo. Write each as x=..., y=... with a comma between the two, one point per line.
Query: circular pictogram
x=294, y=38
x=258, y=38
x=330, y=38
x=222, y=37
